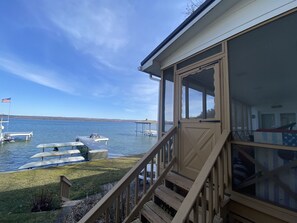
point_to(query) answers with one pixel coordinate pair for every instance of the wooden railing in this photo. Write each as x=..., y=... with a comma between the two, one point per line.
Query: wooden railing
x=123, y=202
x=65, y=185
x=206, y=196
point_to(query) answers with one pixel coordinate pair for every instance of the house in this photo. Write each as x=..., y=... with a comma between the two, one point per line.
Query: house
x=227, y=121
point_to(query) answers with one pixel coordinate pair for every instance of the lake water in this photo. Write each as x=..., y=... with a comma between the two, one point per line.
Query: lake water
x=122, y=138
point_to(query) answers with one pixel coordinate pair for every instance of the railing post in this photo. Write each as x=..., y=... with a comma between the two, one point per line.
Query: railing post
x=128, y=201
x=117, y=209
x=203, y=201
x=196, y=211
x=216, y=189
x=210, y=195
x=158, y=164
x=65, y=185
x=107, y=215
x=136, y=190
x=221, y=178
x=144, y=179
x=152, y=172
x=225, y=158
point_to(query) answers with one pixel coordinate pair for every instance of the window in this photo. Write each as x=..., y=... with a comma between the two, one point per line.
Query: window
x=198, y=94
x=288, y=119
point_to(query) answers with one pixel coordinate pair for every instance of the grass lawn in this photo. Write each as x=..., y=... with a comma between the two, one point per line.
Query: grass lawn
x=18, y=189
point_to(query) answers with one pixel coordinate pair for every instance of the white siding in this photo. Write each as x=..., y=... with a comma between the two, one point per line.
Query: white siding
x=241, y=16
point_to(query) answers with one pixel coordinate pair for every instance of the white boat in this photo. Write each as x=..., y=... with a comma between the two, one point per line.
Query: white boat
x=65, y=156
x=52, y=162
x=54, y=153
x=151, y=133
x=60, y=144
x=94, y=137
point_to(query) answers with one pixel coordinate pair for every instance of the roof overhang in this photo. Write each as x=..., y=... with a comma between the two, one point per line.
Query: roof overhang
x=213, y=22
x=151, y=63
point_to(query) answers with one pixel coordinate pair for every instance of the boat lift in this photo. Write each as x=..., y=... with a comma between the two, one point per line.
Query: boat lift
x=10, y=136
x=144, y=130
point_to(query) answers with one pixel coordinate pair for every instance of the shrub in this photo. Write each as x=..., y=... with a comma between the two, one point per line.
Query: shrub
x=43, y=202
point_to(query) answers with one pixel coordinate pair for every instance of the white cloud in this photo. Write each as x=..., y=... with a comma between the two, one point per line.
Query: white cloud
x=105, y=90
x=93, y=27
x=35, y=74
x=145, y=92
x=129, y=110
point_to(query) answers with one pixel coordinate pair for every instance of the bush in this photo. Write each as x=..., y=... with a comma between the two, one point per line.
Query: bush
x=43, y=202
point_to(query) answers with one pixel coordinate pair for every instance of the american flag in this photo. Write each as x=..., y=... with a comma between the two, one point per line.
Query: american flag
x=6, y=100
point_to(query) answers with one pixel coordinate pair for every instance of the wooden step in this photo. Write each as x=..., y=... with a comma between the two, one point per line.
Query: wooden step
x=169, y=197
x=174, y=200
x=153, y=213
x=179, y=180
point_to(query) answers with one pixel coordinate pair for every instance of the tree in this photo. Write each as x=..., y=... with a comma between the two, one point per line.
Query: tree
x=192, y=5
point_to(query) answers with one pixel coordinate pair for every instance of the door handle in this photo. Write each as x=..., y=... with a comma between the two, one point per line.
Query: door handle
x=214, y=121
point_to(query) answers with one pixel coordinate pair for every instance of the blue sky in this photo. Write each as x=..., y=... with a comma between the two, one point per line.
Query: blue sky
x=79, y=58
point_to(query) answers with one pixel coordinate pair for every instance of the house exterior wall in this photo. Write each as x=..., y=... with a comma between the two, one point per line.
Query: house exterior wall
x=240, y=17
x=229, y=23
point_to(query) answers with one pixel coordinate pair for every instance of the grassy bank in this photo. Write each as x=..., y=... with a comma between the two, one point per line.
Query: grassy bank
x=18, y=189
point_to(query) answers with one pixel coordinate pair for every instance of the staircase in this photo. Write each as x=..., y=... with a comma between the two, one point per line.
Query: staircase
x=167, y=199
x=181, y=200
x=170, y=197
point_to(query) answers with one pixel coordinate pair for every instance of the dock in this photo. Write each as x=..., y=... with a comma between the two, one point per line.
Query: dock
x=11, y=135
x=146, y=128
x=97, y=149
x=91, y=143
x=64, y=156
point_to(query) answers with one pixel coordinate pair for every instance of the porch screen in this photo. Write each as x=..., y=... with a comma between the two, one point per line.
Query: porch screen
x=263, y=89
x=168, y=94
x=262, y=70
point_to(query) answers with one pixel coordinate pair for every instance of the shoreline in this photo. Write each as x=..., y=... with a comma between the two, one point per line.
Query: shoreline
x=115, y=157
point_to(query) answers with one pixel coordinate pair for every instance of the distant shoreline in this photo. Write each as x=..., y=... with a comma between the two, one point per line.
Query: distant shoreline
x=70, y=118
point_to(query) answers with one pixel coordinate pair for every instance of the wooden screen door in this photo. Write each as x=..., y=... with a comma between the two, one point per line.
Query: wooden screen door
x=199, y=116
